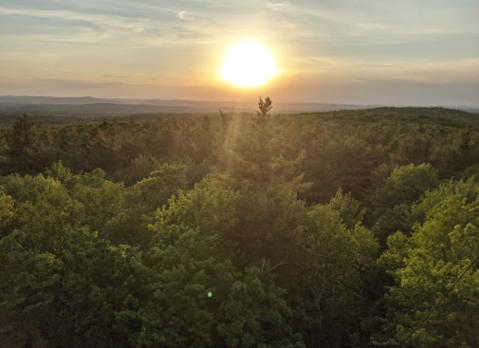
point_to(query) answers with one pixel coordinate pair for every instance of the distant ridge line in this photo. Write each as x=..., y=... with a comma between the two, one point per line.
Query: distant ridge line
x=100, y=107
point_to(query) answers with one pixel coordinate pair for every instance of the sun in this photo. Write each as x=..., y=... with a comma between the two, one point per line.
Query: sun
x=248, y=64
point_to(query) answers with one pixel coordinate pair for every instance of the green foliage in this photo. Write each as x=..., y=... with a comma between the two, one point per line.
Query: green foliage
x=69, y=297
x=428, y=263
x=328, y=277
x=349, y=209
x=406, y=184
x=194, y=251
x=6, y=208
x=162, y=184
x=43, y=210
x=58, y=172
x=22, y=141
x=140, y=168
x=206, y=209
x=395, y=197
x=241, y=231
x=242, y=311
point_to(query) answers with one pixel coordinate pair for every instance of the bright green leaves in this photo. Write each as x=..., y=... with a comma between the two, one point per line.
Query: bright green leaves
x=349, y=209
x=70, y=297
x=395, y=197
x=427, y=264
x=44, y=209
x=206, y=209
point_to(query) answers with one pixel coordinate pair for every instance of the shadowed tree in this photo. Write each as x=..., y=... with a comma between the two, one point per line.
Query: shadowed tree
x=21, y=140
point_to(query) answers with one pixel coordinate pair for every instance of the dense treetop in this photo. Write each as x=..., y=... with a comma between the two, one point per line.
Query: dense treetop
x=340, y=229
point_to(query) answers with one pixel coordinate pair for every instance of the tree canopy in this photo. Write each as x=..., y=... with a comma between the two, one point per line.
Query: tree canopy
x=342, y=229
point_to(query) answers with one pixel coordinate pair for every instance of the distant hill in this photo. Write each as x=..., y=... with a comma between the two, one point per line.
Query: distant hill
x=53, y=115
x=49, y=100
x=471, y=110
x=89, y=107
x=90, y=110
x=97, y=107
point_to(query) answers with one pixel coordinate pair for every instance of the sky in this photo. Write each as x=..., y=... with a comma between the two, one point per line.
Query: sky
x=395, y=52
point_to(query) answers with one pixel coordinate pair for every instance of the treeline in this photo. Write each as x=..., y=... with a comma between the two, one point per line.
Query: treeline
x=342, y=229
x=354, y=150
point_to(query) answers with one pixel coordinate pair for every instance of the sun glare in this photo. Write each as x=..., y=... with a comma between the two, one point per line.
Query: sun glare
x=248, y=64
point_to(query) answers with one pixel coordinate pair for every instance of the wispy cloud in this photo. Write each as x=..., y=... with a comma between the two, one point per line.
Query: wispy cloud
x=16, y=55
x=424, y=71
x=112, y=29
x=74, y=84
x=277, y=6
x=459, y=71
x=117, y=76
x=62, y=15
x=184, y=15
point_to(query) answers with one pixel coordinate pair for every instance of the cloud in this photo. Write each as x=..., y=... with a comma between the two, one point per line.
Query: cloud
x=19, y=55
x=104, y=19
x=277, y=6
x=184, y=15
x=74, y=84
x=157, y=27
x=355, y=70
x=451, y=72
x=117, y=76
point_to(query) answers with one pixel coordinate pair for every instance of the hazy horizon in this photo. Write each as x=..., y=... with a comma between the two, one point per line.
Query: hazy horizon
x=251, y=101
x=354, y=52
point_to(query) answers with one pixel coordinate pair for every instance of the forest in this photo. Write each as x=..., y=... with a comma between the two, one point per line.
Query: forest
x=344, y=229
